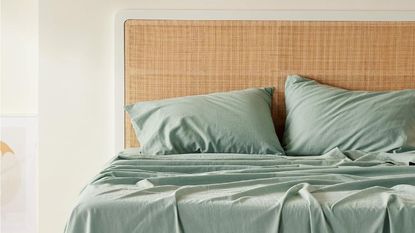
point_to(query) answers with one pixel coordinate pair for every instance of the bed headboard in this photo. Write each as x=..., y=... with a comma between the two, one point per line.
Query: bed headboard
x=169, y=58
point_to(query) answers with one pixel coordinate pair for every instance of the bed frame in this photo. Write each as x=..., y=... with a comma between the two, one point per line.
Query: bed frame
x=162, y=57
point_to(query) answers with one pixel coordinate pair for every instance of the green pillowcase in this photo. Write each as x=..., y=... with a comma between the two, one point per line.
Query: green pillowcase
x=229, y=122
x=320, y=118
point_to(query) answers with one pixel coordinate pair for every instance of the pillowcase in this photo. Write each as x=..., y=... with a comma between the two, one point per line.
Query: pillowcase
x=321, y=117
x=228, y=122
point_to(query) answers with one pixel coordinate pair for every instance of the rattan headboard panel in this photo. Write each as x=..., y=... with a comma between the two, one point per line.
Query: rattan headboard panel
x=169, y=58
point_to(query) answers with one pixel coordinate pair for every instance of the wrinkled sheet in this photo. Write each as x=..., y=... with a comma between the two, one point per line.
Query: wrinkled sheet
x=197, y=193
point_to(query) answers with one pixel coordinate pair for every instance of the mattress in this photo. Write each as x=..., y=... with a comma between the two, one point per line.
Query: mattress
x=200, y=193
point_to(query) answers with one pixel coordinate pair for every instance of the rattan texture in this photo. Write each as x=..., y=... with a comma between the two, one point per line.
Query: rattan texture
x=170, y=58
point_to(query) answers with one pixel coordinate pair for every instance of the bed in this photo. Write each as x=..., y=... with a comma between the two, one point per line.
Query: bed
x=335, y=191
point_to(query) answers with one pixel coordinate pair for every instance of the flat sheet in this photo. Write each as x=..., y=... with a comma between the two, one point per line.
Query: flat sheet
x=197, y=193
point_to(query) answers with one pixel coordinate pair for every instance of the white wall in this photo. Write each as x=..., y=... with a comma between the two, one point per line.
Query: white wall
x=76, y=84
x=19, y=53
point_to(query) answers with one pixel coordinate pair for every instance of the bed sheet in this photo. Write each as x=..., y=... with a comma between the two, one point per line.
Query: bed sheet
x=200, y=193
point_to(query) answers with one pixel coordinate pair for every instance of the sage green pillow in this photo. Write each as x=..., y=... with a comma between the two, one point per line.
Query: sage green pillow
x=321, y=117
x=229, y=122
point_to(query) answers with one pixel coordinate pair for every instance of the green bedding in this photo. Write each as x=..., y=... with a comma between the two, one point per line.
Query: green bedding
x=224, y=193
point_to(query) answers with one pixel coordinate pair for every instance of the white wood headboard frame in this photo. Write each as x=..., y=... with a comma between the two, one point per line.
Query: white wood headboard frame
x=313, y=15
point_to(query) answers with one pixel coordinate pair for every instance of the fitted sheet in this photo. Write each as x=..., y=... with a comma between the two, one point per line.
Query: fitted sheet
x=197, y=193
